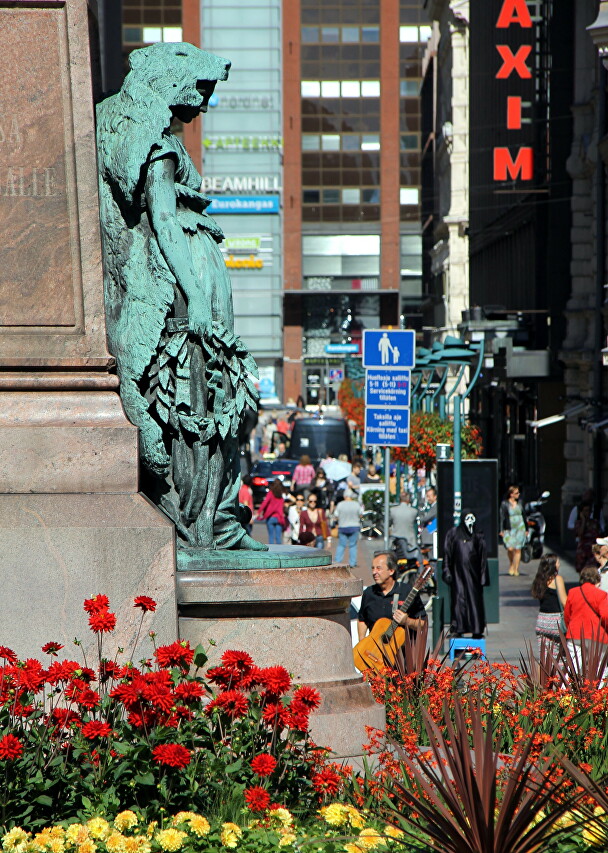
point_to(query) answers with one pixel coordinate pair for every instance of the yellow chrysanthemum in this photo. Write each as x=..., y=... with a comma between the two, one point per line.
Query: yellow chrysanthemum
x=180, y=817
x=370, y=838
x=57, y=832
x=125, y=820
x=152, y=828
x=199, y=825
x=15, y=838
x=355, y=818
x=334, y=814
x=56, y=845
x=87, y=846
x=76, y=833
x=287, y=839
x=230, y=835
x=99, y=829
x=282, y=815
x=352, y=848
x=393, y=831
x=171, y=839
x=115, y=842
x=42, y=838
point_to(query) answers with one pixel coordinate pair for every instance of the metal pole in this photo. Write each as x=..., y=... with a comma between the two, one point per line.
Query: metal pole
x=387, y=494
x=457, y=461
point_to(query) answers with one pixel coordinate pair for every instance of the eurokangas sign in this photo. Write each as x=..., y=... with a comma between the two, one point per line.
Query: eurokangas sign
x=514, y=13
x=258, y=184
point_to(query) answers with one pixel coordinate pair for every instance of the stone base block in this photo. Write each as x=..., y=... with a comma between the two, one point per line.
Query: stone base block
x=297, y=617
x=58, y=550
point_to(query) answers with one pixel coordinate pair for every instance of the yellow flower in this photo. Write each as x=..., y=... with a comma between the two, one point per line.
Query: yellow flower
x=230, y=835
x=355, y=818
x=99, y=828
x=171, y=839
x=352, y=848
x=393, y=831
x=594, y=832
x=56, y=845
x=334, y=814
x=87, y=846
x=76, y=833
x=287, y=839
x=199, y=825
x=57, y=832
x=42, y=838
x=370, y=838
x=15, y=839
x=152, y=828
x=282, y=815
x=180, y=817
x=115, y=842
x=125, y=820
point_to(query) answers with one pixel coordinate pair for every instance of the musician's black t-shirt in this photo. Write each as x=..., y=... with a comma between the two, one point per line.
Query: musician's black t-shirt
x=377, y=605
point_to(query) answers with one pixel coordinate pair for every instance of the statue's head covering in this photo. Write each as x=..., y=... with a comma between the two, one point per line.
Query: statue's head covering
x=174, y=68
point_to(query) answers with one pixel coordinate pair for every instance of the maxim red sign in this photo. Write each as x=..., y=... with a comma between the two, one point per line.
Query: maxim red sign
x=519, y=164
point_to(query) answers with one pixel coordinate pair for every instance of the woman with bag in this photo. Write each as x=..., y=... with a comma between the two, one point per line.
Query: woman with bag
x=586, y=613
x=513, y=527
x=272, y=511
x=550, y=591
x=314, y=520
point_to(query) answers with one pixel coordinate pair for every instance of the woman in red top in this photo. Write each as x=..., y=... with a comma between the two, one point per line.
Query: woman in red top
x=586, y=613
x=272, y=510
x=313, y=521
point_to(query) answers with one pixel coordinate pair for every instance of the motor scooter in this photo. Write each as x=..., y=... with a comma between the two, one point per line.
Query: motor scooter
x=535, y=529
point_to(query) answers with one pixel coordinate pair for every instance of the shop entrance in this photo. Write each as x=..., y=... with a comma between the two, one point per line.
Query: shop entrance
x=322, y=378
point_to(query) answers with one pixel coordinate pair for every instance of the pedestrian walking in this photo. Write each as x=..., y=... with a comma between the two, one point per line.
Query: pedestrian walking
x=293, y=517
x=272, y=511
x=550, y=591
x=304, y=474
x=513, y=527
x=586, y=614
x=314, y=520
x=348, y=513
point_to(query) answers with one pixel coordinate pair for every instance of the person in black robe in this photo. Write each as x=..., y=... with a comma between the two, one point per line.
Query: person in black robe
x=465, y=570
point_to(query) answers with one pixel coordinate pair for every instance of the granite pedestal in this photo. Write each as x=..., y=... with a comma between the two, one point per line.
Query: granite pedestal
x=295, y=614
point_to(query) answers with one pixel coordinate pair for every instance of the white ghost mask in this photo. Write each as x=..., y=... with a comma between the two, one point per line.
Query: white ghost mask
x=469, y=522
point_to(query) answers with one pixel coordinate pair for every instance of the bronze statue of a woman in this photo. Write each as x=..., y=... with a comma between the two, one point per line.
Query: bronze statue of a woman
x=185, y=377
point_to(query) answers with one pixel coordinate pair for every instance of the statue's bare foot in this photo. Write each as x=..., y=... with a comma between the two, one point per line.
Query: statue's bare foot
x=247, y=543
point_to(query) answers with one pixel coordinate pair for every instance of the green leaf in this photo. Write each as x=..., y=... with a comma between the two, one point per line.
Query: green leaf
x=200, y=657
x=43, y=800
x=145, y=779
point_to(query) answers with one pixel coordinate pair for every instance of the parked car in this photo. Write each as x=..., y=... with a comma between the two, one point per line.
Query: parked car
x=264, y=472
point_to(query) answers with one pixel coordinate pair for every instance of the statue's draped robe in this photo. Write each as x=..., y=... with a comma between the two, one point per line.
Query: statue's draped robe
x=188, y=391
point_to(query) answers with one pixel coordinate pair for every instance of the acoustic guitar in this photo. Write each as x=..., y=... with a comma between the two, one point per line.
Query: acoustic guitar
x=380, y=647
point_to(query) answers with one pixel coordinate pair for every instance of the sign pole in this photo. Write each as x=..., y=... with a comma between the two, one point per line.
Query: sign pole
x=387, y=494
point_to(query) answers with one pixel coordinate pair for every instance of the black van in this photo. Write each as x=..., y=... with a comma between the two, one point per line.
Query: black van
x=316, y=437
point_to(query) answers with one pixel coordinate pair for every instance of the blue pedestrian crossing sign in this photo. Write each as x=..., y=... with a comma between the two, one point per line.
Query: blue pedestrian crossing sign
x=389, y=348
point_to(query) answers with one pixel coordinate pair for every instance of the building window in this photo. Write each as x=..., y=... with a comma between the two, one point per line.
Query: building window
x=310, y=88
x=351, y=89
x=414, y=35
x=331, y=196
x=409, y=88
x=370, y=34
x=311, y=142
x=351, y=196
x=410, y=142
x=409, y=195
x=311, y=196
x=310, y=35
x=370, y=142
x=330, y=142
x=330, y=35
x=370, y=89
x=330, y=88
x=350, y=35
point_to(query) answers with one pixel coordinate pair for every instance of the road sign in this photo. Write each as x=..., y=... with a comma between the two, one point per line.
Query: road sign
x=387, y=388
x=389, y=348
x=336, y=374
x=387, y=427
x=341, y=348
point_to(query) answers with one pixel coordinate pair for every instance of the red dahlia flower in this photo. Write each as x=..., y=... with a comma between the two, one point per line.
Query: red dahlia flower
x=95, y=729
x=308, y=696
x=171, y=754
x=257, y=799
x=177, y=654
x=232, y=702
x=61, y=671
x=189, y=691
x=87, y=698
x=30, y=676
x=102, y=621
x=276, y=714
x=10, y=748
x=96, y=604
x=51, y=648
x=147, y=604
x=221, y=676
x=240, y=661
x=326, y=782
x=276, y=680
x=8, y=654
x=263, y=764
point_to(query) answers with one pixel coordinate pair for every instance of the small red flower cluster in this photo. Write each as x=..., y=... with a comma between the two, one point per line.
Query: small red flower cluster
x=100, y=619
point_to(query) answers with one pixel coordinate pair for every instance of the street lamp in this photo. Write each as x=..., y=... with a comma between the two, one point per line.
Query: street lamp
x=598, y=31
